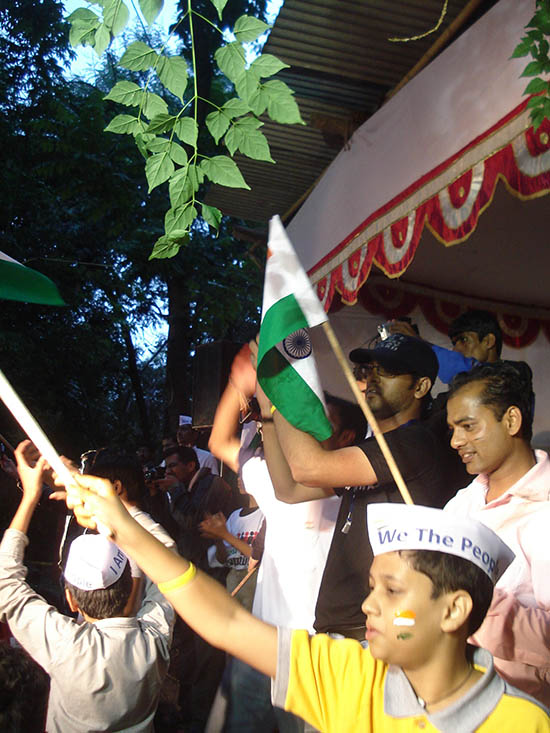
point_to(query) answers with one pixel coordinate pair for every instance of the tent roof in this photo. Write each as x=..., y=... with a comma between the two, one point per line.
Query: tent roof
x=342, y=68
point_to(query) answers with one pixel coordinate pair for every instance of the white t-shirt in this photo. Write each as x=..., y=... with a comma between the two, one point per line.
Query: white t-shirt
x=245, y=528
x=297, y=542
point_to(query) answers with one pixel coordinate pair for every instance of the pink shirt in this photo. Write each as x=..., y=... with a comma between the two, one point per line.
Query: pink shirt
x=516, y=629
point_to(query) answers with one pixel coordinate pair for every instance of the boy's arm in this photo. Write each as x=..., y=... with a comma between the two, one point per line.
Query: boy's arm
x=215, y=527
x=40, y=629
x=202, y=603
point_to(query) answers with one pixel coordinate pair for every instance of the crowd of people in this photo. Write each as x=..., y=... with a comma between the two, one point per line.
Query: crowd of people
x=306, y=596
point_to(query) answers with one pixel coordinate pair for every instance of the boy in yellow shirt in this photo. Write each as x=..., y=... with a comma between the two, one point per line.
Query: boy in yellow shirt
x=431, y=584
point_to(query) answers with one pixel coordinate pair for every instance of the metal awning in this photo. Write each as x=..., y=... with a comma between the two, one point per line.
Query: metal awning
x=342, y=68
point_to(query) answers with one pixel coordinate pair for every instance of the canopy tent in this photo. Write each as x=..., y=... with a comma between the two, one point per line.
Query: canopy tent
x=435, y=167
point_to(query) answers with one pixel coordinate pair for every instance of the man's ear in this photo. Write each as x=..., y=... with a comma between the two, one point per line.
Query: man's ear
x=489, y=340
x=513, y=420
x=456, y=611
x=73, y=605
x=422, y=387
x=117, y=485
x=346, y=437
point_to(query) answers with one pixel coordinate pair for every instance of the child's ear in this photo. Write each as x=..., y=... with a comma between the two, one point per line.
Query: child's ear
x=457, y=610
x=117, y=485
x=73, y=605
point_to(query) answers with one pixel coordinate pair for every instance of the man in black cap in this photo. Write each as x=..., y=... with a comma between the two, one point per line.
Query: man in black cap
x=396, y=378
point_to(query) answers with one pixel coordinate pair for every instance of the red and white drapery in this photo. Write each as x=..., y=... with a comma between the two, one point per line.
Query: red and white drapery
x=448, y=200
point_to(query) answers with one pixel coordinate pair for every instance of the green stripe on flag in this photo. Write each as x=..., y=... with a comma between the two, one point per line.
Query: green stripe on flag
x=284, y=386
x=293, y=397
x=21, y=283
x=283, y=318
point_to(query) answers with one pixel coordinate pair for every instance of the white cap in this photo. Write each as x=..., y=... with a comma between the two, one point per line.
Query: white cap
x=94, y=562
x=185, y=420
x=395, y=527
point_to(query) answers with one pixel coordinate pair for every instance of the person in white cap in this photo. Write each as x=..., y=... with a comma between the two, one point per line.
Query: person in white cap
x=187, y=436
x=431, y=583
x=106, y=673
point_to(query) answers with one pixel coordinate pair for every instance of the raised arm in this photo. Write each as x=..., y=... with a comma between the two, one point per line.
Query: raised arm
x=286, y=488
x=202, y=602
x=215, y=527
x=30, y=466
x=224, y=442
x=307, y=460
x=312, y=465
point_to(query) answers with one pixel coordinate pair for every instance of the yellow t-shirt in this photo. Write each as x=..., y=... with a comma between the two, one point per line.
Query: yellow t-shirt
x=339, y=687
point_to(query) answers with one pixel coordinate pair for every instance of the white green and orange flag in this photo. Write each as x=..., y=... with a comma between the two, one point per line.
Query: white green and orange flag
x=18, y=282
x=286, y=366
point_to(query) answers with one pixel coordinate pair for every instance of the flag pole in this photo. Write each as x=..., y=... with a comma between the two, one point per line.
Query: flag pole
x=361, y=401
x=243, y=581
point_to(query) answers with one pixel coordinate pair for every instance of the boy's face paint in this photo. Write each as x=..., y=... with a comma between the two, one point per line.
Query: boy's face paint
x=400, y=600
x=404, y=635
x=404, y=618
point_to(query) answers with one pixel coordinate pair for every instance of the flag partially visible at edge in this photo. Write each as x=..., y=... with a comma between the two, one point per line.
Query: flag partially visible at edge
x=18, y=282
x=286, y=366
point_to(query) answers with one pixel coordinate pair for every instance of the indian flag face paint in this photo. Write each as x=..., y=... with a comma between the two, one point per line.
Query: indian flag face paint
x=404, y=618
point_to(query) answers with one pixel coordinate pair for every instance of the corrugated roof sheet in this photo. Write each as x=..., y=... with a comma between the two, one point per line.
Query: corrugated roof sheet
x=342, y=67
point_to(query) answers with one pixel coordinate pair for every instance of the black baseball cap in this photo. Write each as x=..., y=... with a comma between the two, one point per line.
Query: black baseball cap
x=401, y=354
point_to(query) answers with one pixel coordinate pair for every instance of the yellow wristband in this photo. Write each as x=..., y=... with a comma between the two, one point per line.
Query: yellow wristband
x=180, y=581
x=273, y=409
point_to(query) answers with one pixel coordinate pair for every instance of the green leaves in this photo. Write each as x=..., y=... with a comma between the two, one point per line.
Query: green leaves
x=267, y=65
x=124, y=124
x=150, y=9
x=219, y=5
x=536, y=45
x=158, y=169
x=138, y=57
x=115, y=16
x=254, y=144
x=187, y=131
x=221, y=169
x=84, y=23
x=536, y=86
x=248, y=29
x=164, y=136
x=166, y=247
x=211, y=216
x=172, y=71
x=217, y=123
x=126, y=92
x=231, y=60
x=180, y=219
x=153, y=105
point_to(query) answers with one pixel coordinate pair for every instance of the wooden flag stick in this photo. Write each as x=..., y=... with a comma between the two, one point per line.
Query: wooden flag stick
x=243, y=581
x=362, y=402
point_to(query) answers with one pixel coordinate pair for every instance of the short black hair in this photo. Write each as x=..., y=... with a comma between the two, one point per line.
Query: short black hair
x=185, y=453
x=480, y=322
x=104, y=602
x=351, y=416
x=505, y=384
x=24, y=690
x=449, y=573
x=123, y=467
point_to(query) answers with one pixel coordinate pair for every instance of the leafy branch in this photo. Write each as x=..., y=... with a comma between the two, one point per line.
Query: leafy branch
x=535, y=43
x=168, y=140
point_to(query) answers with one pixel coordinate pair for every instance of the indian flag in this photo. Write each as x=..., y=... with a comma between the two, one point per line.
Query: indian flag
x=286, y=366
x=18, y=282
